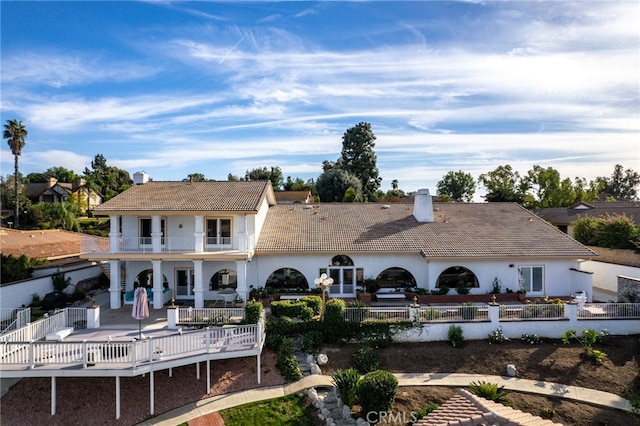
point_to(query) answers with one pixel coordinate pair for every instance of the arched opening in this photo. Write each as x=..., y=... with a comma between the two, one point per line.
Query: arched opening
x=224, y=279
x=396, y=278
x=145, y=279
x=457, y=276
x=287, y=278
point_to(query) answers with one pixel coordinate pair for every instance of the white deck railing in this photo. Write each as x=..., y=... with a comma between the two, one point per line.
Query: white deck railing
x=167, y=244
x=532, y=311
x=136, y=352
x=14, y=318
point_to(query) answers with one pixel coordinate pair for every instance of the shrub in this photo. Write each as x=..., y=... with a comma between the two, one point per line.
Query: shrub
x=547, y=413
x=366, y=359
x=490, y=391
x=531, y=339
x=311, y=341
x=442, y=290
x=376, y=392
x=252, y=312
x=313, y=302
x=334, y=311
x=588, y=338
x=462, y=289
x=346, y=381
x=497, y=336
x=287, y=362
x=455, y=336
x=59, y=282
x=292, y=309
x=277, y=330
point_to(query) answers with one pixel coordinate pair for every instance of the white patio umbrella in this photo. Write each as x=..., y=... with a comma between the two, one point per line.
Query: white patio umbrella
x=140, y=308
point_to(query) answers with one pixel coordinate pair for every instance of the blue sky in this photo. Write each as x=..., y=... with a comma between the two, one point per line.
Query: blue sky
x=174, y=88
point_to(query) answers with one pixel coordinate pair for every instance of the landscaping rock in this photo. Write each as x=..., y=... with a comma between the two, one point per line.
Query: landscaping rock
x=511, y=370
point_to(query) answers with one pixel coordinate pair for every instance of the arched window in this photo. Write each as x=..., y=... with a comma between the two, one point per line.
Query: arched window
x=457, y=276
x=396, y=278
x=224, y=279
x=287, y=278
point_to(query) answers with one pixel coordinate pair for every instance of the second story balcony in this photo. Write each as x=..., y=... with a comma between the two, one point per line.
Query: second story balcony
x=146, y=245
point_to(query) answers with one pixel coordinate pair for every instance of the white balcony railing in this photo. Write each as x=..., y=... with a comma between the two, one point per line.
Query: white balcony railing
x=167, y=245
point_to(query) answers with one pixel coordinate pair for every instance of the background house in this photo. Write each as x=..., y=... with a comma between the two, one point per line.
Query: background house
x=563, y=217
x=53, y=191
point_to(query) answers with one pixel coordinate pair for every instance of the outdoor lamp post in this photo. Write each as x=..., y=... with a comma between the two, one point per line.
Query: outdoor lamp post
x=323, y=283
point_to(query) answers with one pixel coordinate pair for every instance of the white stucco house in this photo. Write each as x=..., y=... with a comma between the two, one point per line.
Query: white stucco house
x=196, y=240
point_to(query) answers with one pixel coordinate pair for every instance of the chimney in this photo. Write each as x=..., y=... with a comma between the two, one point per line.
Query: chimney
x=140, y=178
x=423, y=206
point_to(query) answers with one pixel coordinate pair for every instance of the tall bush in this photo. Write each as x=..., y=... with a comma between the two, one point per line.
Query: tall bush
x=376, y=393
x=252, y=312
x=612, y=231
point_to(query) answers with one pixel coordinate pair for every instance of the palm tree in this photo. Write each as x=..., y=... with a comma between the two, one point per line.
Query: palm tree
x=15, y=132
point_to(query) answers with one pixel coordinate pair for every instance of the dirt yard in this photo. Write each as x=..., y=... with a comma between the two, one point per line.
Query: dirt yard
x=550, y=361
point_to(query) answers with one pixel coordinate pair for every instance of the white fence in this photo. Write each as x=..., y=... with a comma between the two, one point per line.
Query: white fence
x=546, y=320
x=208, y=316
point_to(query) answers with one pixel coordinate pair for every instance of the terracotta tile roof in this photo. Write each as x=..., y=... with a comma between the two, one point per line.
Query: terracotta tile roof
x=467, y=409
x=42, y=244
x=483, y=230
x=214, y=196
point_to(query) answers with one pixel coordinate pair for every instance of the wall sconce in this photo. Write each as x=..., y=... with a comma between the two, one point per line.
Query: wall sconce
x=511, y=265
x=180, y=225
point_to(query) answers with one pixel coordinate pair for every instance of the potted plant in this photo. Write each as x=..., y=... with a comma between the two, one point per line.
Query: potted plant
x=522, y=295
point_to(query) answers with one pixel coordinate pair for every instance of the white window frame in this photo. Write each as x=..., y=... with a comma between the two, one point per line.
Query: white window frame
x=526, y=274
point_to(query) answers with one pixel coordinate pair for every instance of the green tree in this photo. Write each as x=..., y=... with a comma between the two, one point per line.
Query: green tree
x=586, y=191
x=61, y=174
x=549, y=189
x=504, y=185
x=359, y=159
x=17, y=268
x=15, y=132
x=274, y=175
x=332, y=185
x=622, y=184
x=298, y=184
x=196, y=177
x=460, y=186
x=106, y=180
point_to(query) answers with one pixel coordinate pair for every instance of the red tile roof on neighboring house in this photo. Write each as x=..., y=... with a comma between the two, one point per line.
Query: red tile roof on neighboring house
x=48, y=244
x=467, y=409
x=461, y=230
x=186, y=197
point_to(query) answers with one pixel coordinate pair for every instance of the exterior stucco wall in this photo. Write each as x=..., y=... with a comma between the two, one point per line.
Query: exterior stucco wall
x=559, y=278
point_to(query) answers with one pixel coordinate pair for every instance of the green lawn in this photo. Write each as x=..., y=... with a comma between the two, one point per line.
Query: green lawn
x=290, y=410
